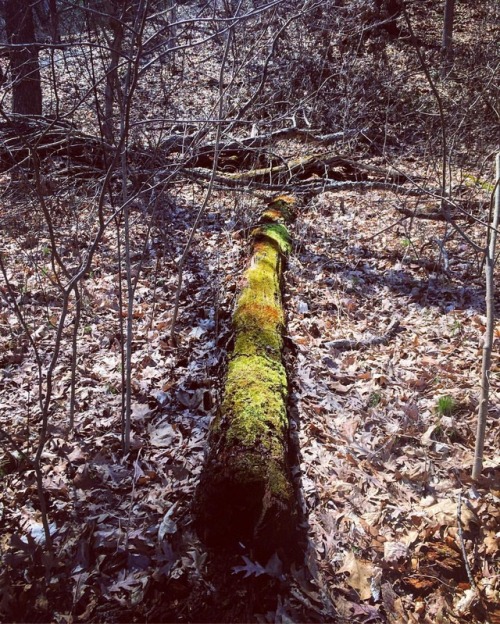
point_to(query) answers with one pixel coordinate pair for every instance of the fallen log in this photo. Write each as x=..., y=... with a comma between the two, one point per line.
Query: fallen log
x=49, y=138
x=311, y=187
x=176, y=143
x=245, y=492
x=327, y=166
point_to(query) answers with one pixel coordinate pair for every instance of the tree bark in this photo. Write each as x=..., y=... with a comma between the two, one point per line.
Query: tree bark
x=490, y=328
x=245, y=493
x=24, y=66
x=389, y=11
x=449, y=14
x=54, y=22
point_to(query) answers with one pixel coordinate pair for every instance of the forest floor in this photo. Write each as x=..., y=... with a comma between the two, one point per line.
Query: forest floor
x=384, y=435
x=392, y=529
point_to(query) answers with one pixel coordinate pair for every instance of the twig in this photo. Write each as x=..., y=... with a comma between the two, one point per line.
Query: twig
x=350, y=345
x=462, y=543
x=389, y=227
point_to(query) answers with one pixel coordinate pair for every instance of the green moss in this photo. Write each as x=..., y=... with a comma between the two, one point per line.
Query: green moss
x=254, y=407
x=246, y=494
x=275, y=233
x=472, y=180
x=250, y=468
x=253, y=413
x=258, y=319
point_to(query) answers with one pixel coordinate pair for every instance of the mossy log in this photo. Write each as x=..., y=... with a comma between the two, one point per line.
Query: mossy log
x=245, y=492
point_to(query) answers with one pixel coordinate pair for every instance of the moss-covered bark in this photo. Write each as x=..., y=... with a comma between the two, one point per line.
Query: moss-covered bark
x=245, y=493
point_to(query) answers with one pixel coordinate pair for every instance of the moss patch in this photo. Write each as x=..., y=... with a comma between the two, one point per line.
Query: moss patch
x=254, y=406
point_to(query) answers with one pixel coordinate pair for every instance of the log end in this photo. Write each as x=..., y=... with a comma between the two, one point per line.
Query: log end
x=246, y=499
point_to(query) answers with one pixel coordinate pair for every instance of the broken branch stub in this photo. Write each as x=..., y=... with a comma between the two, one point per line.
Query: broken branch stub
x=245, y=492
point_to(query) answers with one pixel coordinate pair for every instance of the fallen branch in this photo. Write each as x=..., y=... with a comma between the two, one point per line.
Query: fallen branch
x=431, y=215
x=311, y=186
x=462, y=543
x=19, y=139
x=177, y=143
x=323, y=164
x=351, y=345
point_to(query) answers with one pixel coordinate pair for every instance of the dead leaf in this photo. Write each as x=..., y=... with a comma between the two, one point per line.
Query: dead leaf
x=492, y=543
x=360, y=575
x=140, y=411
x=190, y=398
x=445, y=513
x=393, y=605
x=251, y=568
x=339, y=387
x=395, y=552
x=167, y=526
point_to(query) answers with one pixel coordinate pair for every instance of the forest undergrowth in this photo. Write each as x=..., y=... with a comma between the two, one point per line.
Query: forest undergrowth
x=383, y=341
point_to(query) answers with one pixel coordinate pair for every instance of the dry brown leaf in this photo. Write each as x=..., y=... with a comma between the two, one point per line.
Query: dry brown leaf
x=492, y=543
x=410, y=538
x=393, y=605
x=445, y=513
x=360, y=575
x=395, y=552
x=466, y=601
x=339, y=387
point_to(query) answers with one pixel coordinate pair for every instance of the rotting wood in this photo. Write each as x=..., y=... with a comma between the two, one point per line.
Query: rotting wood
x=311, y=187
x=317, y=172
x=308, y=175
x=316, y=164
x=178, y=142
x=245, y=492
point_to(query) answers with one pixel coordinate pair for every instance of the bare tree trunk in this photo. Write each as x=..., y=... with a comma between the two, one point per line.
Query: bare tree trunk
x=172, y=31
x=24, y=66
x=488, y=337
x=112, y=78
x=449, y=14
x=54, y=22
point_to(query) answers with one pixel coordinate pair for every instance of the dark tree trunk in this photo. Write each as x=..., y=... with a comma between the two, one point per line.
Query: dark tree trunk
x=24, y=66
x=449, y=14
x=389, y=10
x=54, y=22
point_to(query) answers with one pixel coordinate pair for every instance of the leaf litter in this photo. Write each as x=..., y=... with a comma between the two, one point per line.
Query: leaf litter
x=379, y=470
